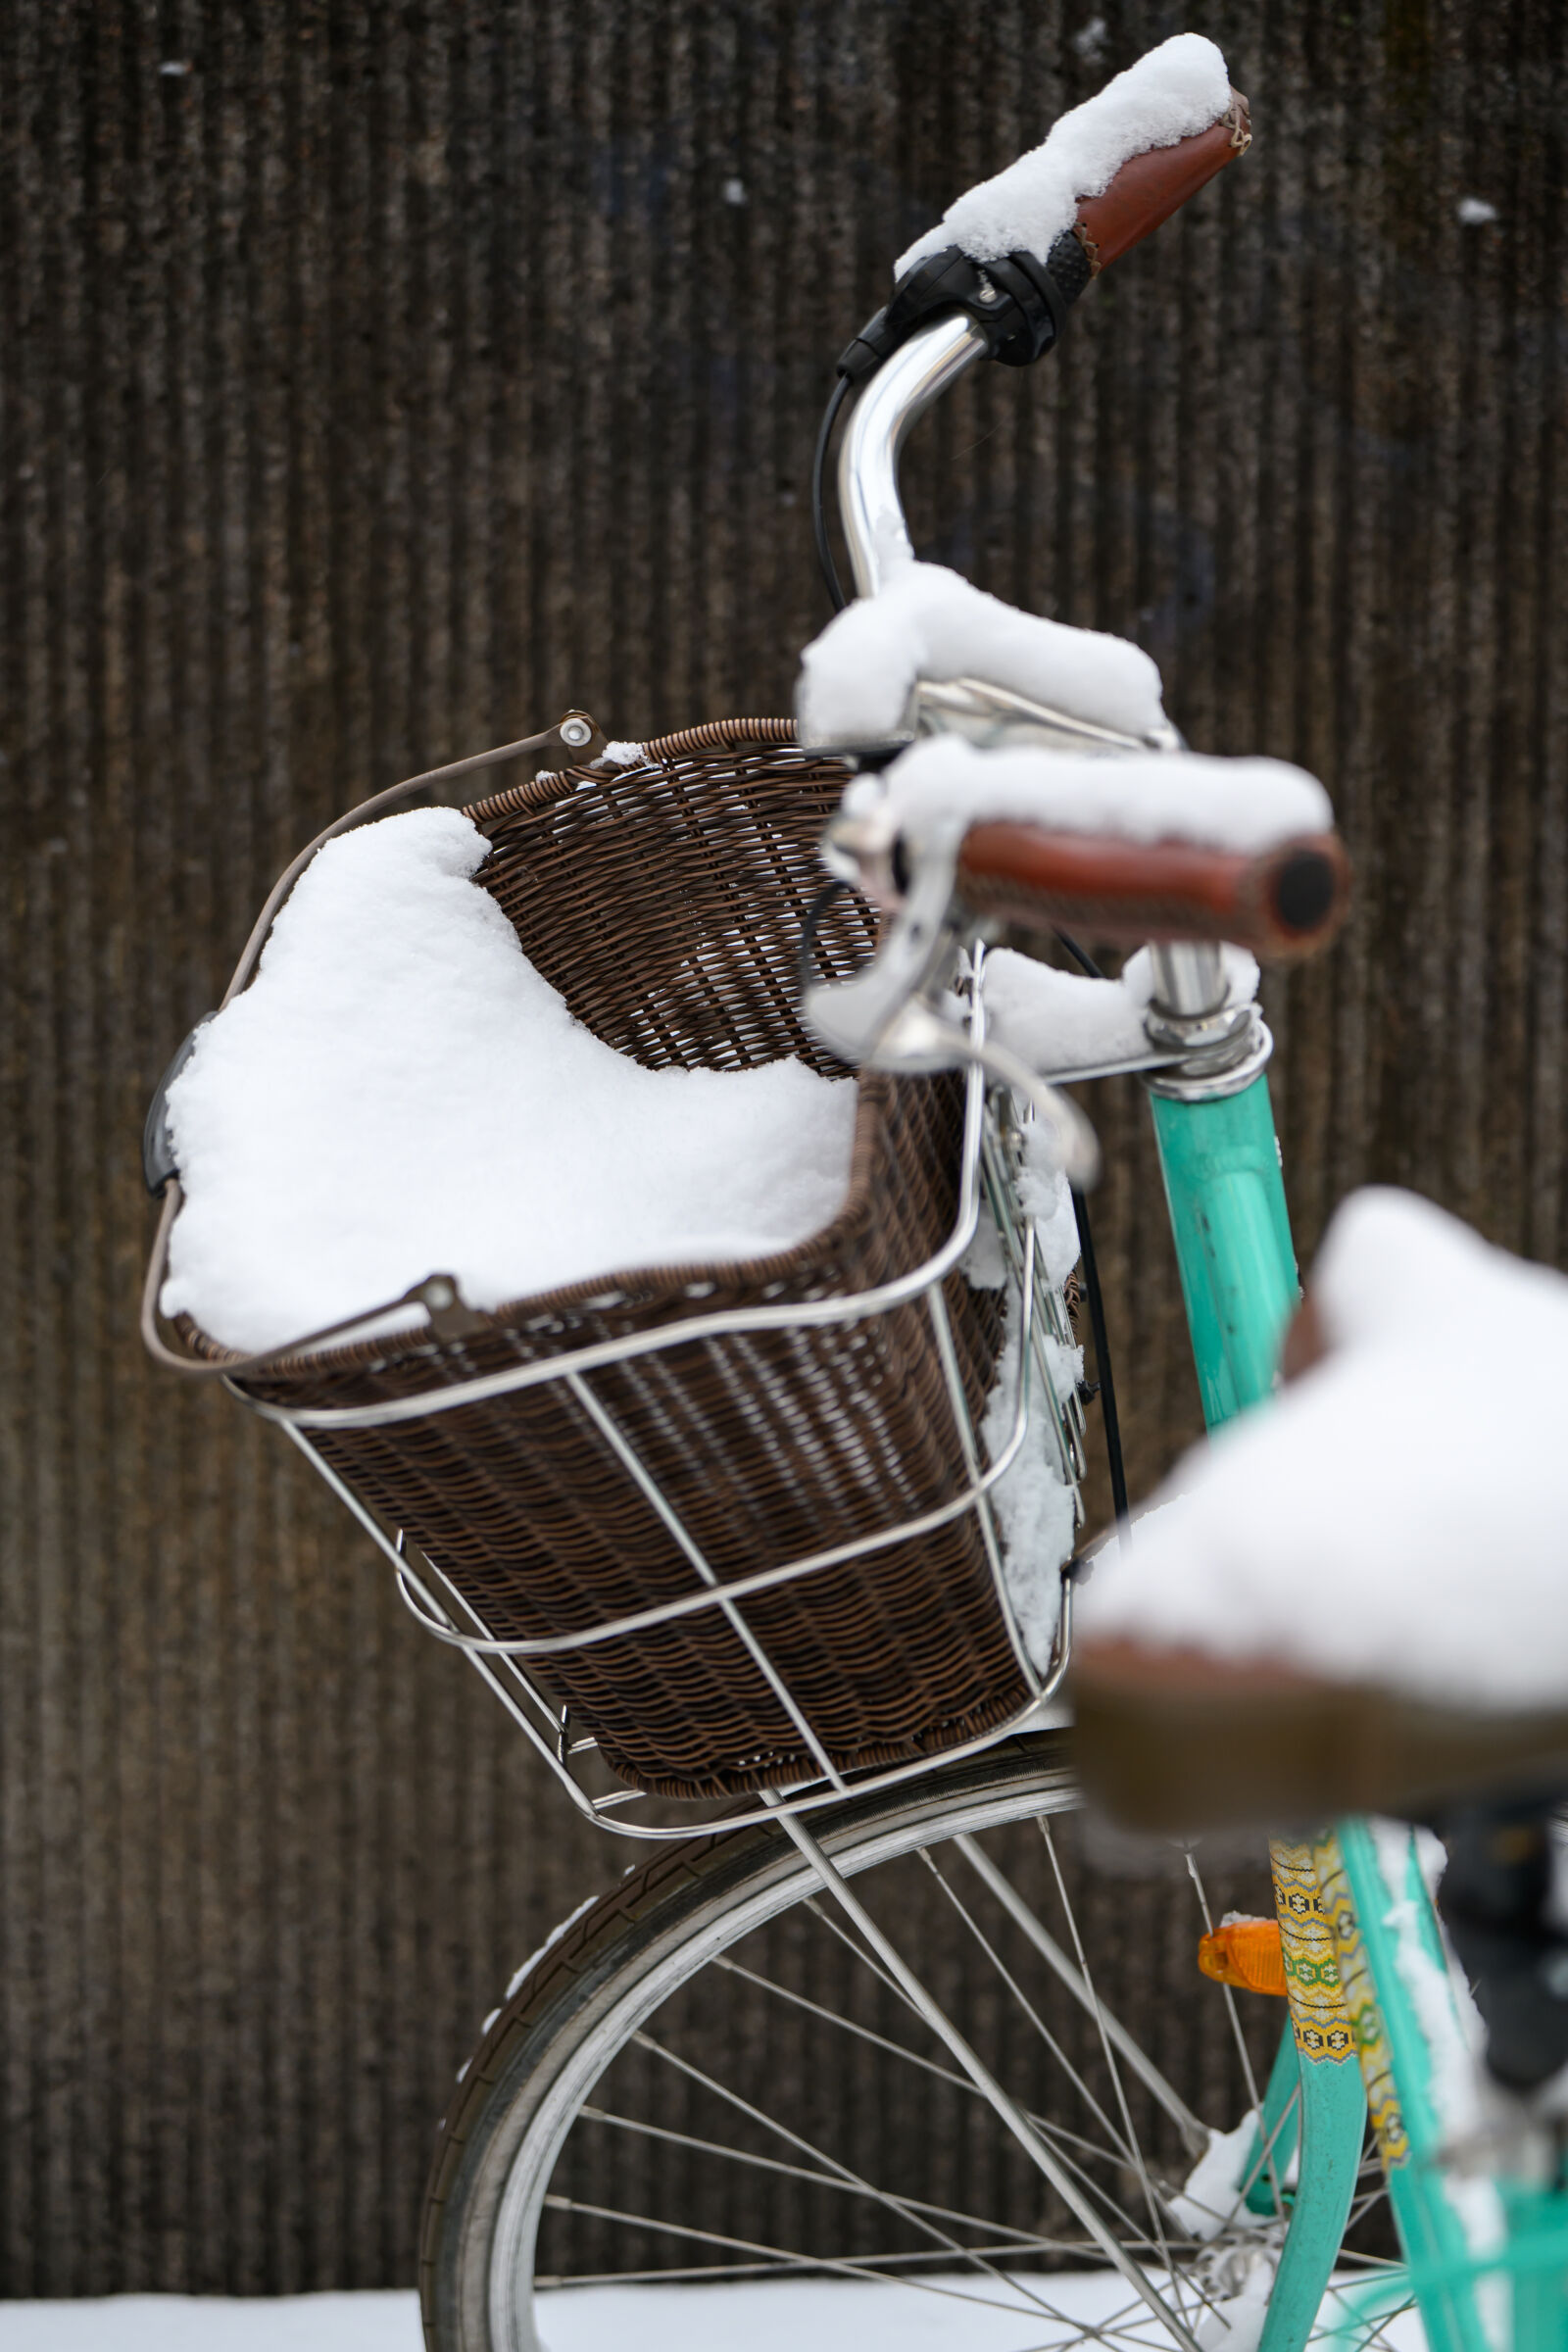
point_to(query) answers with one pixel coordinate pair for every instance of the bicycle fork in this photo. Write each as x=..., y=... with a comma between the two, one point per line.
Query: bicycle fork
x=1220, y=1159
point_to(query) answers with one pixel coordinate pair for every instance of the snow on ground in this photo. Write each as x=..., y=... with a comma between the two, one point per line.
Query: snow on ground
x=825, y=2313
x=399, y=1093
x=363, y=2323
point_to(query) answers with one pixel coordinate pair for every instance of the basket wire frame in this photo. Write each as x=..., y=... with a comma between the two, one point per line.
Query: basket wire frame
x=726, y=800
x=988, y=1188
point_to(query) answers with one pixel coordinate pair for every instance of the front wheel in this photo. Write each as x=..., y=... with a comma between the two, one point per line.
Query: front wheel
x=710, y=2083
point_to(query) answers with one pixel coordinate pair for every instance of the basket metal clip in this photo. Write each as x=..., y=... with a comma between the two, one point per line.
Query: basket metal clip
x=451, y=1316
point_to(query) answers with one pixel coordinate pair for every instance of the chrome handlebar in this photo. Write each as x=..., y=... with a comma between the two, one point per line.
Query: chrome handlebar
x=1189, y=978
x=903, y=388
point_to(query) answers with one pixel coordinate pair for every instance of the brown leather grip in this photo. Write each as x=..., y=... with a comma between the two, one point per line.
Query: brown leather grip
x=1283, y=904
x=1151, y=187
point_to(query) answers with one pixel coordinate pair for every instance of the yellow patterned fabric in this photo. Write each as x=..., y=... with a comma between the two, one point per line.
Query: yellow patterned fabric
x=1318, y=2014
x=1360, y=2000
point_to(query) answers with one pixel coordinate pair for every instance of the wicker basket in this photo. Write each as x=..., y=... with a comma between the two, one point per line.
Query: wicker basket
x=666, y=902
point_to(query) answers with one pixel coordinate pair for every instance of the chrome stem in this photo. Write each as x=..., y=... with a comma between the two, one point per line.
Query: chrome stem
x=1189, y=978
x=903, y=388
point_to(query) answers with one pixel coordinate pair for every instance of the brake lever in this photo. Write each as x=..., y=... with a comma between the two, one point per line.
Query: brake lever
x=918, y=1038
x=883, y=1019
x=851, y=1016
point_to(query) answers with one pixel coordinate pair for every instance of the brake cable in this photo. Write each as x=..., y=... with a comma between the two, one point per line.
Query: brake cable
x=824, y=545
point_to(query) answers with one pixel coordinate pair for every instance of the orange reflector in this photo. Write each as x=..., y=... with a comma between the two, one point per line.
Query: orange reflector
x=1244, y=1952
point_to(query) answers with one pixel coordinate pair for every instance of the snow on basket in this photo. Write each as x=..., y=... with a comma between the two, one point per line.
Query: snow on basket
x=641, y=921
x=400, y=1089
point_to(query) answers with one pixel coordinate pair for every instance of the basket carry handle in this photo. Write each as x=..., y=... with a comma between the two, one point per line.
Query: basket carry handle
x=577, y=737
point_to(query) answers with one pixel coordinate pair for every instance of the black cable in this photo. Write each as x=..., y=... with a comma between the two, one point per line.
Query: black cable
x=1081, y=956
x=1097, y=1303
x=804, y=970
x=824, y=545
x=1108, y=1385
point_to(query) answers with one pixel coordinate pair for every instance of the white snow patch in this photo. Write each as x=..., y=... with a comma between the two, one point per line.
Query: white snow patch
x=400, y=1093
x=1445, y=2011
x=1237, y=2323
x=1210, y=2199
x=1247, y=806
x=1033, y=1505
x=1380, y=1480
x=1065, y=1021
x=928, y=623
x=984, y=1264
x=1044, y=1194
x=1475, y=211
x=1179, y=88
x=621, y=755
x=1451, y=2028
x=1090, y=39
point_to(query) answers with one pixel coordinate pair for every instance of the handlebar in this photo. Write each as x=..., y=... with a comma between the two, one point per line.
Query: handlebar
x=1282, y=904
x=1151, y=187
x=950, y=311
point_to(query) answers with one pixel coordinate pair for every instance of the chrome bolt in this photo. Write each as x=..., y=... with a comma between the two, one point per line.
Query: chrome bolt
x=576, y=732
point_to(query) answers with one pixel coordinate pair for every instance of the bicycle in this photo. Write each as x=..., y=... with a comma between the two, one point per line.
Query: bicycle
x=897, y=1750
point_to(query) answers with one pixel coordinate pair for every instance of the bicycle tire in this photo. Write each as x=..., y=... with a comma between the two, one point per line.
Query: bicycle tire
x=671, y=1923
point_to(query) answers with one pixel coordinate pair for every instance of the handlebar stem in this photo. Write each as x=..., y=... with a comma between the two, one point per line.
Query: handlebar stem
x=903, y=388
x=1189, y=978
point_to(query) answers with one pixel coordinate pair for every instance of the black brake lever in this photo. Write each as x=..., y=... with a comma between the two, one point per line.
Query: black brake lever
x=1020, y=304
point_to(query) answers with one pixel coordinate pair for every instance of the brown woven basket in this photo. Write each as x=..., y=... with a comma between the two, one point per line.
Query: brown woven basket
x=666, y=902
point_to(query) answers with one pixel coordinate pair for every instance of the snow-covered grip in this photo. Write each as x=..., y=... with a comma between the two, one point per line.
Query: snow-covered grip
x=1282, y=904
x=1151, y=187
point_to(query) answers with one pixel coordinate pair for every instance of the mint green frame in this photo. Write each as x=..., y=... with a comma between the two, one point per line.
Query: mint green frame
x=1220, y=1160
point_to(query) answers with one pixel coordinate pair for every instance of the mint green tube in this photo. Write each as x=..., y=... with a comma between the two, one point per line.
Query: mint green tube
x=1221, y=1164
x=1220, y=1159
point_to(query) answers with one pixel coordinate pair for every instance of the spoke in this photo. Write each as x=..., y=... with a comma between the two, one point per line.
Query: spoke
x=1119, y=2321
x=783, y=2261
x=1237, y=2035
x=1227, y=2219
x=1016, y=2241
x=1372, y=2328
x=929, y=2066
x=1008, y=2109
x=1027, y=2006
x=1127, y=2150
x=1156, y=2217
x=852, y=2180
x=1191, y=2129
x=835, y=1927
x=784, y=2258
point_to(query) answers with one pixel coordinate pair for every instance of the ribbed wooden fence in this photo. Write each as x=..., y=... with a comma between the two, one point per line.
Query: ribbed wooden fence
x=379, y=380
